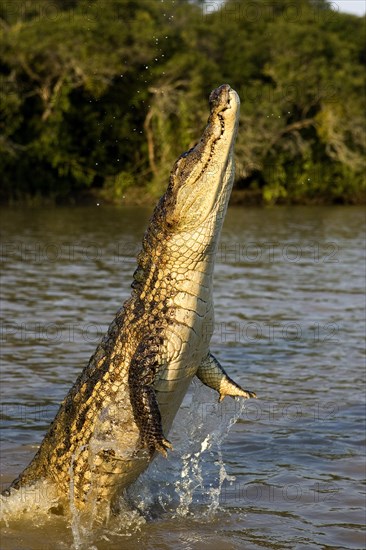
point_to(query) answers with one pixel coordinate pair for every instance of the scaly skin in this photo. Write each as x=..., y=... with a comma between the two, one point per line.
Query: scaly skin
x=119, y=411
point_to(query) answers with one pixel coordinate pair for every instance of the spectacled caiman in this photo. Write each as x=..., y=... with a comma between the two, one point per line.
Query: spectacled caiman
x=120, y=410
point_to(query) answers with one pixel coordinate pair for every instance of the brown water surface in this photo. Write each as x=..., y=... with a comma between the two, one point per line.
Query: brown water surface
x=289, y=302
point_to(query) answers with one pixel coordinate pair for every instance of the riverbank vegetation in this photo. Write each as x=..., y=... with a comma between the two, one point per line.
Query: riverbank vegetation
x=99, y=97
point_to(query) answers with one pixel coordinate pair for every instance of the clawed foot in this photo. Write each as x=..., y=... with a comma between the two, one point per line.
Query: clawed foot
x=247, y=394
x=158, y=443
x=162, y=446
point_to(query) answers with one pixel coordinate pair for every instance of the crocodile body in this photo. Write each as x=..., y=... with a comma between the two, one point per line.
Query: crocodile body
x=119, y=412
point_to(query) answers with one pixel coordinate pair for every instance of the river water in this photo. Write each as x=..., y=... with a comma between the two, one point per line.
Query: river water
x=284, y=471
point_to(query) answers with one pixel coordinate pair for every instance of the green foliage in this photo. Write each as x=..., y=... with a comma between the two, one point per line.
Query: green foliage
x=101, y=96
x=115, y=187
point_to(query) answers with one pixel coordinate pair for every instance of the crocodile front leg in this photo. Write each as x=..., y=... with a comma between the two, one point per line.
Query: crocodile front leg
x=142, y=374
x=212, y=374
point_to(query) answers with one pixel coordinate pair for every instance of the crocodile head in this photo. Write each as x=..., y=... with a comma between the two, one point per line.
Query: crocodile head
x=201, y=179
x=187, y=221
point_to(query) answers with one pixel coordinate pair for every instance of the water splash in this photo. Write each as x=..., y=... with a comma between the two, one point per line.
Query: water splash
x=190, y=481
x=37, y=500
x=127, y=523
x=217, y=420
x=187, y=484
